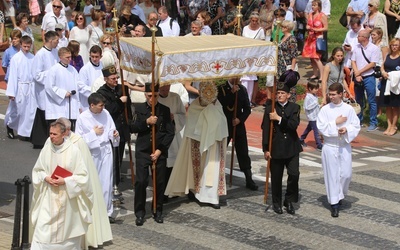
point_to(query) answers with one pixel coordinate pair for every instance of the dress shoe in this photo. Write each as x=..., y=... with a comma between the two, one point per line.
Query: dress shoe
x=215, y=206
x=158, y=218
x=111, y=220
x=191, y=196
x=335, y=212
x=251, y=185
x=10, y=133
x=139, y=221
x=289, y=207
x=277, y=209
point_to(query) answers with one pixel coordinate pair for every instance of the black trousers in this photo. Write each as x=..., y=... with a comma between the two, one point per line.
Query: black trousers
x=141, y=183
x=241, y=146
x=292, y=188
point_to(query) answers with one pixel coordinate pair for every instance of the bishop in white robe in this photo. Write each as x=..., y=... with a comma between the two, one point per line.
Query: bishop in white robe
x=61, y=208
x=339, y=125
x=97, y=129
x=21, y=87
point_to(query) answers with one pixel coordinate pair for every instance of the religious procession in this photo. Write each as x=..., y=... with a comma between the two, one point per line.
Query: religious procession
x=170, y=85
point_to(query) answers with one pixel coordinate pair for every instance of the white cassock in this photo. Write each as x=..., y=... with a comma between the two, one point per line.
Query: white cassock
x=336, y=153
x=60, y=215
x=175, y=105
x=100, y=148
x=181, y=91
x=200, y=163
x=59, y=81
x=88, y=74
x=42, y=62
x=21, y=86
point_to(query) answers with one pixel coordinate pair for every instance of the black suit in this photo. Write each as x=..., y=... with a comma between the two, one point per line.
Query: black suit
x=285, y=150
x=165, y=132
x=116, y=108
x=227, y=100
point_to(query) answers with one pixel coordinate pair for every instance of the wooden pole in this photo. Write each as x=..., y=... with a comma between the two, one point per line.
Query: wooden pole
x=153, y=112
x=115, y=20
x=271, y=126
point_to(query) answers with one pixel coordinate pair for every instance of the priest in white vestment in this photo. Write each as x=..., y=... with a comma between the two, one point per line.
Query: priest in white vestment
x=97, y=128
x=88, y=75
x=200, y=163
x=178, y=116
x=20, y=87
x=61, y=207
x=100, y=230
x=339, y=125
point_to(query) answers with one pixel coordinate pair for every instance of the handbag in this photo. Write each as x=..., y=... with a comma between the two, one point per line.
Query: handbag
x=377, y=69
x=355, y=105
x=4, y=44
x=343, y=20
x=321, y=45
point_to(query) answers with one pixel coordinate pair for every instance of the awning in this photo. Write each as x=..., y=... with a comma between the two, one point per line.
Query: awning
x=199, y=58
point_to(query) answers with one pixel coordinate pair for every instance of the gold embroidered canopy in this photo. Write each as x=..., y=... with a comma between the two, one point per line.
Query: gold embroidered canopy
x=199, y=58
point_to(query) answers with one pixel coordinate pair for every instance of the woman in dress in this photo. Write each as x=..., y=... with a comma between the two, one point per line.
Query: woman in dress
x=334, y=72
x=22, y=25
x=267, y=18
x=392, y=12
x=76, y=59
x=95, y=27
x=216, y=12
x=392, y=101
x=317, y=23
x=204, y=18
x=287, y=53
x=376, y=19
x=80, y=33
x=109, y=56
x=9, y=11
x=253, y=31
x=376, y=37
x=230, y=19
x=34, y=8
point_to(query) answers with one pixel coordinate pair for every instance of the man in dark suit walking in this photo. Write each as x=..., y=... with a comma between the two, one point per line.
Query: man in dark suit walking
x=285, y=148
x=226, y=96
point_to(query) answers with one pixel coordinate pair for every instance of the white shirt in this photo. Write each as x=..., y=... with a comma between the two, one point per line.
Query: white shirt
x=166, y=27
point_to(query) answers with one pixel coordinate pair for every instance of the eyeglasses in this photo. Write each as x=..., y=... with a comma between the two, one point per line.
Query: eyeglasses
x=106, y=43
x=57, y=6
x=58, y=29
x=394, y=45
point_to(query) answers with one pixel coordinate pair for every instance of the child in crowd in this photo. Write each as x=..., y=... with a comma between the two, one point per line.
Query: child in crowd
x=76, y=59
x=62, y=41
x=87, y=10
x=311, y=107
x=71, y=22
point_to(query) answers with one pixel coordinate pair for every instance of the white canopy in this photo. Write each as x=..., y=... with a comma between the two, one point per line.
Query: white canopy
x=199, y=58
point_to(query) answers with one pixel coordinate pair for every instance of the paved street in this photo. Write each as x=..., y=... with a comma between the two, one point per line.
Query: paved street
x=369, y=218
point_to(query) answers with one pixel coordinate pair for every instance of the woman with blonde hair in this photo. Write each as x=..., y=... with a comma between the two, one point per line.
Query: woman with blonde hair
x=390, y=100
x=317, y=23
x=376, y=19
x=109, y=57
x=95, y=27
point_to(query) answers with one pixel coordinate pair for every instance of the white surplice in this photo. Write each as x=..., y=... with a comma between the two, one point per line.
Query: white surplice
x=100, y=148
x=59, y=81
x=88, y=74
x=336, y=153
x=100, y=230
x=42, y=62
x=200, y=163
x=175, y=105
x=60, y=215
x=20, y=85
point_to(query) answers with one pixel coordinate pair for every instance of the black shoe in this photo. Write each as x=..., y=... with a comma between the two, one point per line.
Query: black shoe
x=139, y=221
x=158, y=218
x=289, y=207
x=111, y=220
x=23, y=138
x=215, y=206
x=335, y=212
x=277, y=209
x=341, y=202
x=166, y=199
x=251, y=185
x=10, y=133
x=191, y=196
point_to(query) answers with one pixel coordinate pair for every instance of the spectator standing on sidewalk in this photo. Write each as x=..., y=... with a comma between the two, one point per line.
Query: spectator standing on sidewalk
x=311, y=107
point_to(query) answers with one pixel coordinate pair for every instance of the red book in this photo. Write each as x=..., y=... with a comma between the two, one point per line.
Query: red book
x=60, y=171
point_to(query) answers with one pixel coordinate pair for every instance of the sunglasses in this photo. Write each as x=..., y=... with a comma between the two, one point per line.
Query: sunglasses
x=282, y=4
x=106, y=43
x=57, y=6
x=370, y=5
x=79, y=18
x=150, y=96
